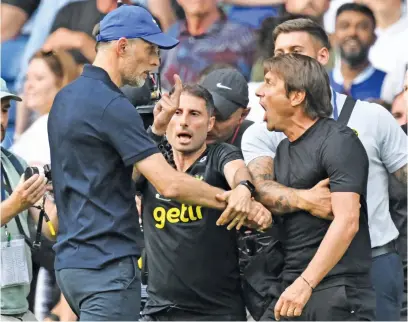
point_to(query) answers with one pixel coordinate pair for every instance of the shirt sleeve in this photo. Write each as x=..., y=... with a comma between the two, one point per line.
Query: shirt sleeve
x=123, y=127
x=392, y=141
x=346, y=162
x=257, y=141
x=225, y=153
x=28, y=6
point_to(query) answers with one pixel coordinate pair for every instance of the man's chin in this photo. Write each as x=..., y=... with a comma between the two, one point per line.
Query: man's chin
x=137, y=82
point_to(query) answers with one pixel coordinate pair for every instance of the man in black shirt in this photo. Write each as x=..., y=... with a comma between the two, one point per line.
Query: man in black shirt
x=193, y=263
x=326, y=263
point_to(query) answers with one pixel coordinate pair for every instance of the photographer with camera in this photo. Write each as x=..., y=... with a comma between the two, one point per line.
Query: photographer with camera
x=18, y=196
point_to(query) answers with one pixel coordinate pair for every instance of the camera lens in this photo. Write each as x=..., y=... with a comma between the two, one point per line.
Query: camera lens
x=30, y=171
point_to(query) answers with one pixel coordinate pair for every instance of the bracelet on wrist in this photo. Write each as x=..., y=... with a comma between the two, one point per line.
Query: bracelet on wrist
x=307, y=282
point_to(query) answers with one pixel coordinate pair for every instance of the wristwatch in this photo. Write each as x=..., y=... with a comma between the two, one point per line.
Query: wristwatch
x=250, y=186
x=156, y=138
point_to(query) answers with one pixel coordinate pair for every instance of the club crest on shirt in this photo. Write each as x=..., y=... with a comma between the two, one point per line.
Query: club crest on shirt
x=355, y=132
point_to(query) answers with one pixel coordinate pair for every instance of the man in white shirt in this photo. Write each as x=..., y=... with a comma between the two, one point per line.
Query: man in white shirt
x=385, y=144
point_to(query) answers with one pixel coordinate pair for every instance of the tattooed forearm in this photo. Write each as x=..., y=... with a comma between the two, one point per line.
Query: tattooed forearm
x=278, y=198
x=401, y=175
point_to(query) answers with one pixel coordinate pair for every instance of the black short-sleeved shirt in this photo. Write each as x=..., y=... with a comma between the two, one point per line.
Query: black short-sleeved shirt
x=326, y=150
x=95, y=136
x=29, y=6
x=238, y=138
x=78, y=16
x=192, y=263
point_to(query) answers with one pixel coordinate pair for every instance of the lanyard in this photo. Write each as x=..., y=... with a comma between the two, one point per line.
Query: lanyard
x=235, y=134
x=3, y=183
x=6, y=185
x=335, y=110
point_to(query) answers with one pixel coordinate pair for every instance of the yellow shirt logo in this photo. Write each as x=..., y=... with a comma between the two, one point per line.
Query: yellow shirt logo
x=174, y=215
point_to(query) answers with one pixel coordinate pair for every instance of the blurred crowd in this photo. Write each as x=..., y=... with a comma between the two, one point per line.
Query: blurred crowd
x=45, y=44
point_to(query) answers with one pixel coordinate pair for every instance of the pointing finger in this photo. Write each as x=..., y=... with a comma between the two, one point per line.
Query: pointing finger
x=178, y=85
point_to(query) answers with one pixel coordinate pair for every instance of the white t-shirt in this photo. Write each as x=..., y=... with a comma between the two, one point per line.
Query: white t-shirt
x=391, y=43
x=386, y=146
x=33, y=144
x=390, y=54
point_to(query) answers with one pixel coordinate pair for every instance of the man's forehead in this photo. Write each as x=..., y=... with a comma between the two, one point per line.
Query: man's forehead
x=352, y=14
x=272, y=75
x=190, y=101
x=291, y=39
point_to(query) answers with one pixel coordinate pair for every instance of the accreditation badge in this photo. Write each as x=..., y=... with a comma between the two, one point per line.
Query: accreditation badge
x=14, y=265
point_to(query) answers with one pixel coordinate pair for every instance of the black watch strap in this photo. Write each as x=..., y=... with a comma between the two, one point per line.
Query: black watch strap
x=249, y=185
x=156, y=138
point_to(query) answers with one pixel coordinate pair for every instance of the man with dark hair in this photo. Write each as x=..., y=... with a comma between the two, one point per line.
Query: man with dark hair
x=354, y=36
x=96, y=139
x=193, y=263
x=331, y=259
x=385, y=144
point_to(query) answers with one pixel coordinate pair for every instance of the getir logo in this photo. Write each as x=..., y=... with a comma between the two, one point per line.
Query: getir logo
x=174, y=215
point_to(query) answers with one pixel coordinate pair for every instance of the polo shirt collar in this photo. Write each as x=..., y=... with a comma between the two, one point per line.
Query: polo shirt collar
x=361, y=78
x=94, y=72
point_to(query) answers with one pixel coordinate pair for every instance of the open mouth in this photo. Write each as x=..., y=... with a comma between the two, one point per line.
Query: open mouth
x=184, y=137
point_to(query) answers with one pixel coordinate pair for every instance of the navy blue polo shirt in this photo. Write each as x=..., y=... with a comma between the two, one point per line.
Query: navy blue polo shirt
x=95, y=136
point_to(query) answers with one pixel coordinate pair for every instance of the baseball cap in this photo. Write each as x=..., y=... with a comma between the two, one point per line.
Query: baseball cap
x=229, y=90
x=133, y=22
x=5, y=93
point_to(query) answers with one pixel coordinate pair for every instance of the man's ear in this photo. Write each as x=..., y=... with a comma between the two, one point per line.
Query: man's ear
x=323, y=56
x=297, y=97
x=121, y=46
x=211, y=122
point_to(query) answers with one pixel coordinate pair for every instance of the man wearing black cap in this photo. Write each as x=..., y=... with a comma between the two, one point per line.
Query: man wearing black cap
x=229, y=90
x=96, y=140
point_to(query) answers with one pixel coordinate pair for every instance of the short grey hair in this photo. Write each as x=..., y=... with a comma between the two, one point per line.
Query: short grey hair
x=102, y=44
x=303, y=73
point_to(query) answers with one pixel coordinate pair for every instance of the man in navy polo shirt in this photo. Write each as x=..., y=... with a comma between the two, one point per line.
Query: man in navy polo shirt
x=96, y=139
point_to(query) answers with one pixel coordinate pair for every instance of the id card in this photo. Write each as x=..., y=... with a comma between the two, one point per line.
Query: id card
x=14, y=266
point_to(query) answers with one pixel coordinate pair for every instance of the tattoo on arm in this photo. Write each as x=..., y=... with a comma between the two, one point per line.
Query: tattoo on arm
x=401, y=175
x=278, y=198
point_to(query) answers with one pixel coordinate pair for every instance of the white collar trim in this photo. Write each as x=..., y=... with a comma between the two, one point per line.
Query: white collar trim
x=362, y=77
